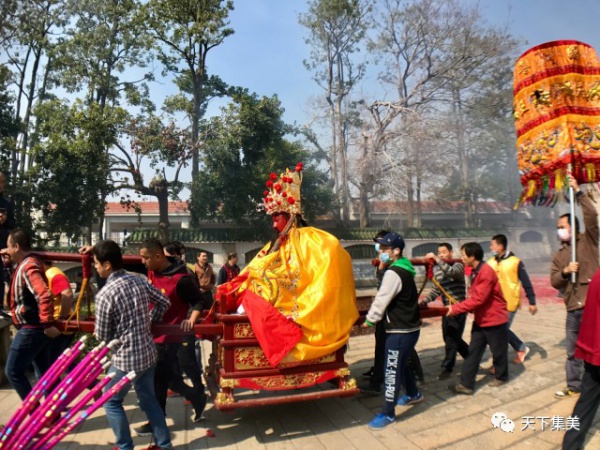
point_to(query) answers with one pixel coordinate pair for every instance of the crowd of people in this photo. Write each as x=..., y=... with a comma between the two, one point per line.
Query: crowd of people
x=494, y=297
x=177, y=293
x=174, y=293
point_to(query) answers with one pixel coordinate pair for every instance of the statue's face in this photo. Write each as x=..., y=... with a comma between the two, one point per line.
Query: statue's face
x=280, y=220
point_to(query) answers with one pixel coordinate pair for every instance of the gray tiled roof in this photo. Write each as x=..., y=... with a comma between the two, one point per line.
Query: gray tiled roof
x=345, y=234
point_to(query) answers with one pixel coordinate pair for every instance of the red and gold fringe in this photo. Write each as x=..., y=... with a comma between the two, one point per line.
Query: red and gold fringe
x=553, y=187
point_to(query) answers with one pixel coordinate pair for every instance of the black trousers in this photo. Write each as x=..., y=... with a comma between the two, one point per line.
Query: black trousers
x=585, y=408
x=379, y=361
x=452, y=331
x=497, y=338
x=413, y=361
x=168, y=374
x=186, y=355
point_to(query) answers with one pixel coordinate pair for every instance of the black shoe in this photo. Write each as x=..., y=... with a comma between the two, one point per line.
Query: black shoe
x=199, y=403
x=370, y=388
x=143, y=430
x=444, y=375
x=368, y=374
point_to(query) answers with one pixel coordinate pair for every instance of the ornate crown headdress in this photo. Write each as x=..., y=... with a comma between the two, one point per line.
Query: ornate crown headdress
x=283, y=194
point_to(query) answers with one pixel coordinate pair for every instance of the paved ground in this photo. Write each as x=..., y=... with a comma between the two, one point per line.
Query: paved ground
x=443, y=420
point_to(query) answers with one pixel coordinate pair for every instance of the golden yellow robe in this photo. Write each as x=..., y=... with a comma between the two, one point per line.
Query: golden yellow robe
x=309, y=279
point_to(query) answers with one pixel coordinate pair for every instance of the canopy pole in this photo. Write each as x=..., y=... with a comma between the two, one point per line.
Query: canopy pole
x=573, y=229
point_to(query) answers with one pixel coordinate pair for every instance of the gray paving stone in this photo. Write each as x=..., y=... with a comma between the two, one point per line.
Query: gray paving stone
x=443, y=420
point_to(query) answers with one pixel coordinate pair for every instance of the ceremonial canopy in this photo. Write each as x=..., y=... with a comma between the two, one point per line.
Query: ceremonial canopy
x=557, y=118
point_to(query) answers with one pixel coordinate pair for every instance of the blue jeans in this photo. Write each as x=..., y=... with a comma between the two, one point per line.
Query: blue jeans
x=398, y=347
x=28, y=347
x=144, y=390
x=513, y=339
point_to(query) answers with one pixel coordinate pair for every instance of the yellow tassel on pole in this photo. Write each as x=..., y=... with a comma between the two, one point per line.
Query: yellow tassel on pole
x=531, y=190
x=559, y=181
x=591, y=171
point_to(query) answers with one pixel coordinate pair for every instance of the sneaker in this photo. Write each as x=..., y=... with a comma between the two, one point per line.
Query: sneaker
x=368, y=374
x=143, y=430
x=460, y=389
x=370, y=388
x=199, y=404
x=156, y=447
x=444, y=375
x=406, y=400
x=496, y=382
x=171, y=393
x=566, y=393
x=381, y=421
x=197, y=418
x=520, y=356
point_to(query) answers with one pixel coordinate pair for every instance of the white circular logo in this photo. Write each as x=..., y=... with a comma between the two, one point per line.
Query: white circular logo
x=507, y=426
x=497, y=418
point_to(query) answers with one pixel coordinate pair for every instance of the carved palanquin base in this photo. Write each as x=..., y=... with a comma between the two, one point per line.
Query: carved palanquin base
x=252, y=358
x=238, y=362
x=284, y=382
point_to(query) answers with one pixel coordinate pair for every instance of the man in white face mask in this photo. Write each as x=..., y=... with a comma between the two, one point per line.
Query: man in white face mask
x=574, y=294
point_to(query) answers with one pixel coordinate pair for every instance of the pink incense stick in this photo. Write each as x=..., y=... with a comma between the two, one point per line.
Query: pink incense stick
x=40, y=388
x=53, y=407
x=85, y=365
x=84, y=381
x=74, y=410
x=61, y=364
x=59, y=397
x=90, y=410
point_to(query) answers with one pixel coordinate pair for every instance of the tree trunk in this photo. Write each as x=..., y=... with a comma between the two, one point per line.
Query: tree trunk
x=418, y=206
x=363, y=207
x=20, y=91
x=163, y=214
x=410, y=206
x=463, y=159
x=101, y=227
x=341, y=143
x=334, y=157
x=196, y=131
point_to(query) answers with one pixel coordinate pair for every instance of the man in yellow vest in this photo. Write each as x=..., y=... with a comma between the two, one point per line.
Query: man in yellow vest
x=62, y=296
x=512, y=274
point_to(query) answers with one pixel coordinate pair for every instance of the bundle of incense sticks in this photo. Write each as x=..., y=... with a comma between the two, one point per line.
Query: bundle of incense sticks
x=59, y=389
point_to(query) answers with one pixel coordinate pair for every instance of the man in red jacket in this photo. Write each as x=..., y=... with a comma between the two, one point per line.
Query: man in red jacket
x=489, y=328
x=32, y=311
x=587, y=349
x=171, y=277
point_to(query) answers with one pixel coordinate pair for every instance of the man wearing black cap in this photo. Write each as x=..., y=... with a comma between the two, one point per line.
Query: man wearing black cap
x=396, y=304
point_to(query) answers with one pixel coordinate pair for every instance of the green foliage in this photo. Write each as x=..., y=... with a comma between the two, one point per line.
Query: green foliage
x=102, y=41
x=241, y=148
x=337, y=31
x=185, y=31
x=337, y=28
x=70, y=172
x=161, y=146
x=9, y=126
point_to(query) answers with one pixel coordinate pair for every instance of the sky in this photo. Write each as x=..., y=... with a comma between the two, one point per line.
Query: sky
x=266, y=52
